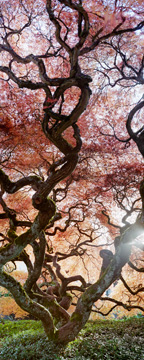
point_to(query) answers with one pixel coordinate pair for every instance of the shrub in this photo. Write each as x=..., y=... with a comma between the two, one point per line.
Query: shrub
x=28, y=346
x=99, y=340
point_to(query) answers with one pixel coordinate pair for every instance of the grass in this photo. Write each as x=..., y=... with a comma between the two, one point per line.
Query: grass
x=99, y=340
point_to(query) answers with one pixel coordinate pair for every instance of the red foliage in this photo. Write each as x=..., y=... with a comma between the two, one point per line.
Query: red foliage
x=48, y=59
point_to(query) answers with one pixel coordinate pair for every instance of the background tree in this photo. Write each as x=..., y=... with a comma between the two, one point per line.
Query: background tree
x=49, y=52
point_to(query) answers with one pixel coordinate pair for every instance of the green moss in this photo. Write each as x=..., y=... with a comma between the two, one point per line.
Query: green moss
x=76, y=317
x=7, y=246
x=12, y=234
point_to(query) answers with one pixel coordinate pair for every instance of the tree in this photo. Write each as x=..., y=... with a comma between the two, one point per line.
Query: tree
x=45, y=47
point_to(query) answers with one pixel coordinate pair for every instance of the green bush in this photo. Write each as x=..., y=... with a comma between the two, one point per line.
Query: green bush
x=99, y=348
x=99, y=340
x=9, y=328
x=28, y=346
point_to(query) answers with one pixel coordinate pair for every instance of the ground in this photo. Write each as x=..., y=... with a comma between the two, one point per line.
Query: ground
x=99, y=340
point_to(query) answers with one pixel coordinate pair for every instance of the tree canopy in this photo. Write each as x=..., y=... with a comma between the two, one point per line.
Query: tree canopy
x=72, y=147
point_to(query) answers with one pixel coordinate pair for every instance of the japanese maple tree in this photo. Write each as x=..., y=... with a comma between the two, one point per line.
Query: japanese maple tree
x=70, y=70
